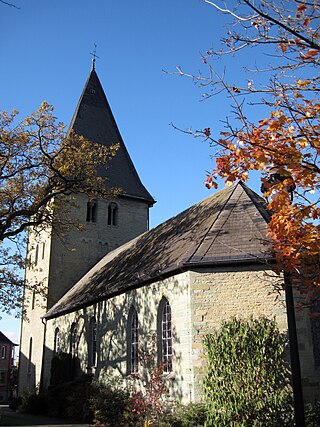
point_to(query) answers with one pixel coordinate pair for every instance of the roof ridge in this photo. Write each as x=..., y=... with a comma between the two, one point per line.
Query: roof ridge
x=264, y=211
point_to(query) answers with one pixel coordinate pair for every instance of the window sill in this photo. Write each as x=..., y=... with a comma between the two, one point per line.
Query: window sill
x=169, y=376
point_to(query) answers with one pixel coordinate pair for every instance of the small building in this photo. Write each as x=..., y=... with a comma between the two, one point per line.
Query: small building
x=7, y=368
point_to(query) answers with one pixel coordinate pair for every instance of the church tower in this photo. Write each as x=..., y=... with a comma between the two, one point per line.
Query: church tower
x=58, y=262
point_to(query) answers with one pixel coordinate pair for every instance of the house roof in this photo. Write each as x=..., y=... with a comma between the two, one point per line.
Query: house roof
x=5, y=340
x=94, y=120
x=228, y=227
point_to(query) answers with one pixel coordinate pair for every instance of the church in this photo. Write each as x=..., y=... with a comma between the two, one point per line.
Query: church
x=115, y=286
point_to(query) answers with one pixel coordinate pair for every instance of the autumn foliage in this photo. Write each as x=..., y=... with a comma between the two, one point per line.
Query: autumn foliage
x=40, y=165
x=285, y=143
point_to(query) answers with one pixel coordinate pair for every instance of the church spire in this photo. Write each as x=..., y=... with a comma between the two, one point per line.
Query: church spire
x=94, y=120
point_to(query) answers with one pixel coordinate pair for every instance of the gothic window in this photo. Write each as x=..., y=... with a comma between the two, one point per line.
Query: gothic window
x=315, y=331
x=30, y=356
x=165, y=335
x=73, y=339
x=113, y=214
x=57, y=341
x=43, y=249
x=33, y=299
x=91, y=211
x=133, y=341
x=93, y=342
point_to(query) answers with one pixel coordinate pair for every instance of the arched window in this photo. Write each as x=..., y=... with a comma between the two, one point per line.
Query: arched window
x=30, y=356
x=73, y=339
x=133, y=341
x=93, y=343
x=165, y=335
x=57, y=341
x=36, y=257
x=91, y=211
x=113, y=214
x=33, y=299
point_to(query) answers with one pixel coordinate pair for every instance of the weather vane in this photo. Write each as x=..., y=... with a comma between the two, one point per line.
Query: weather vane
x=94, y=55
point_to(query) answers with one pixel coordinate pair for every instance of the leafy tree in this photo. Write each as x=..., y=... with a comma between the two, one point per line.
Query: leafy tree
x=247, y=380
x=284, y=145
x=40, y=166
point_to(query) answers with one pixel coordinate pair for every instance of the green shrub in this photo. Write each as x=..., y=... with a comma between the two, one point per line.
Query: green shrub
x=15, y=403
x=312, y=414
x=70, y=399
x=247, y=381
x=192, y=415
x=33, y=403
x=108, y=403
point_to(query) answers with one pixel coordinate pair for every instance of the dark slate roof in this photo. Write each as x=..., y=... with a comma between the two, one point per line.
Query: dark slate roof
x=5, y=340
x=228, y=227
x=94, y=120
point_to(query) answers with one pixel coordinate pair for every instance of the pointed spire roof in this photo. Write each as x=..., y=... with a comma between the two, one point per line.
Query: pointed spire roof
x=228, y=228
x=94, y=120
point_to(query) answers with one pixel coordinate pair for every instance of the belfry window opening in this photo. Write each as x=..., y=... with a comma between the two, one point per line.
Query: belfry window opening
x=91, y=211
x=113, y=214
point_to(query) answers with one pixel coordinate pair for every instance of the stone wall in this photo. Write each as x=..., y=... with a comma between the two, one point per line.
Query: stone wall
x=79, y=250
x=201, y=300
x=225, y=292
x=112, y=318
x=34, y=305
x=62, y=259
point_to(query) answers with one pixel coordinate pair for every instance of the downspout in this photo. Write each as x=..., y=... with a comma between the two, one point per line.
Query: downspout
x=294, y=353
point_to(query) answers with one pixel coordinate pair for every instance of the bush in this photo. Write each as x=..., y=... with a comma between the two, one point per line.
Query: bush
x=312, y=414
x=33, y=403
x=71, y=399
x=15, y=403
x=108, y=403
x=248, y=381
x=192, y=415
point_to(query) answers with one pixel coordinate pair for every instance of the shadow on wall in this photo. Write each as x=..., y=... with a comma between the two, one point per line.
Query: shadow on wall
x=97, y=343
x=27, y=381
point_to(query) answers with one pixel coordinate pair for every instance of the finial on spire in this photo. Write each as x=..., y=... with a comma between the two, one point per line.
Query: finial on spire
x=94, y=55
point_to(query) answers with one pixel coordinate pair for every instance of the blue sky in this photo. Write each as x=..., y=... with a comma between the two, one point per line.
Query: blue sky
x=45, y=50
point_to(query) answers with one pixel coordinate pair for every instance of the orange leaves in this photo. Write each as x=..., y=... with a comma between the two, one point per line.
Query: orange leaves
x=207, y=132
x=301, y=8
x=276, y=124
x=283, y=47
x=209, y=182
x=309, y=55
x=287, y=142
